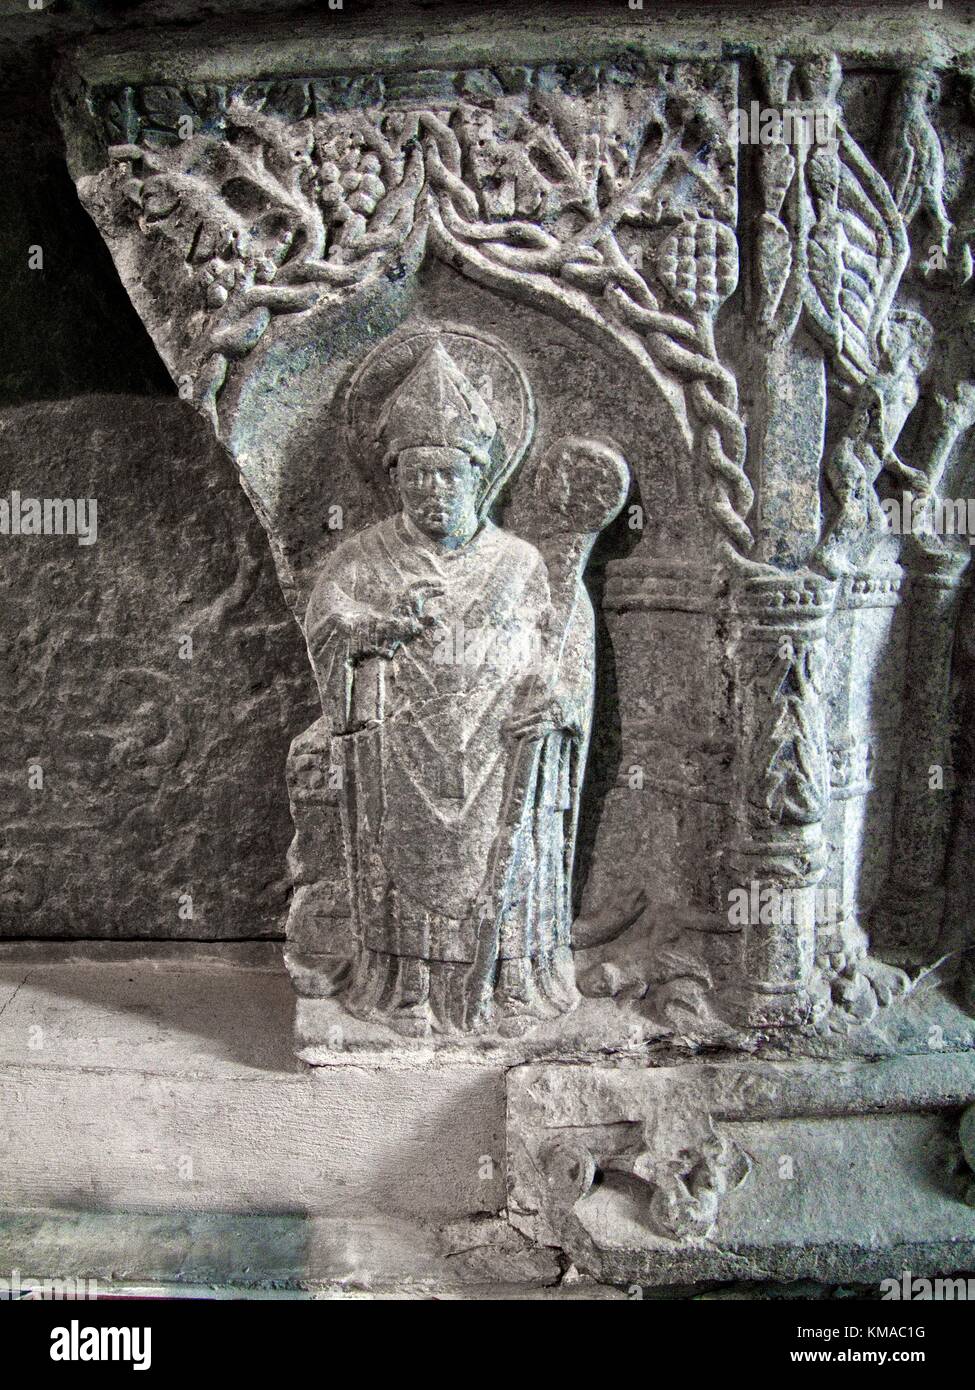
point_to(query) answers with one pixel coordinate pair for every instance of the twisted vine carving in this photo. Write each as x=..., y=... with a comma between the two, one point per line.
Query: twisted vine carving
x=605, y=196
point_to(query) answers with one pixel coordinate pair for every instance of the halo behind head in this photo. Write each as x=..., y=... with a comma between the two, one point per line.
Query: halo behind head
x=449, y=386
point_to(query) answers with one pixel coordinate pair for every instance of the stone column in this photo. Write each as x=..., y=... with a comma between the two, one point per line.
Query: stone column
x=864, y=725
x=777, y=856
x=908, y=921
x=671, y=793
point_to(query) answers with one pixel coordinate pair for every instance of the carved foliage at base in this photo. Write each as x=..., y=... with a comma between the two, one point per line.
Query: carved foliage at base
x=636, y=1171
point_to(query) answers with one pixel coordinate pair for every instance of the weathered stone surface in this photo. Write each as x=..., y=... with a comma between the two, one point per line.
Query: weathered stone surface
x=744, y=1170
x=567, y=333
x=283, y=1255
x=159, y=1077
x=120, y=656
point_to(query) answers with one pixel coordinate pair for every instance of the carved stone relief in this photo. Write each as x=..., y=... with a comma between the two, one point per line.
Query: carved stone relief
x=587, y=424
x=268, y=229
x=667, y=1172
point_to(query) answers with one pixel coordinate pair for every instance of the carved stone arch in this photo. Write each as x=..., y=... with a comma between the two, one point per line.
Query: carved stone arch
x=779, y=688
x=582, y=191
x=269, y=232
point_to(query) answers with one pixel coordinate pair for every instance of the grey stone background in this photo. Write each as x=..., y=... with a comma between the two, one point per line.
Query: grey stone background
x=162, y=776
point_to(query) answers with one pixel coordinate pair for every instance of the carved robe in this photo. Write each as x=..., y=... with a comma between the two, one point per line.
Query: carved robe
x=428, y=767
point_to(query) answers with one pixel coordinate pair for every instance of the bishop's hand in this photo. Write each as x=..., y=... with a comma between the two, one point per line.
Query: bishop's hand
x=542, y=713
x=370, y=633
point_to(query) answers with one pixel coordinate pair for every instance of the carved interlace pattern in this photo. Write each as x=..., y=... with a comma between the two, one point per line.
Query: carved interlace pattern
x=603, y=195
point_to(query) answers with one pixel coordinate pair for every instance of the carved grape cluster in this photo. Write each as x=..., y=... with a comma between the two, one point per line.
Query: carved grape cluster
x=217, y=251
x=698, y=263
x=288, y=193
x=351, y=189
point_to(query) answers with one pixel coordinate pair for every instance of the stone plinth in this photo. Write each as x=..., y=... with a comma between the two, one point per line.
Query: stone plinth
x=157, y=1127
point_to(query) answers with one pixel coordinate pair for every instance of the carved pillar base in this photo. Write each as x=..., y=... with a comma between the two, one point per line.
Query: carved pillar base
x=778, y=953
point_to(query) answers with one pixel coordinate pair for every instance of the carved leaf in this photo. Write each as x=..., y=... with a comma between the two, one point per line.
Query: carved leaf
x=913, y=158
x=856, y=252
x=790, y=783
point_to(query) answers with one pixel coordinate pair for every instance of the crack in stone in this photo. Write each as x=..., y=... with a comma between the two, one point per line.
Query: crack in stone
x=13, y=996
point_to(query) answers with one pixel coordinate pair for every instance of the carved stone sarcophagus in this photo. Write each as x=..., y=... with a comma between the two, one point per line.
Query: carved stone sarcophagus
x=605, y=406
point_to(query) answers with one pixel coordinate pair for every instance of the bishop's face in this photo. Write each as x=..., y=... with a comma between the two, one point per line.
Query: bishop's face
x=439, y=491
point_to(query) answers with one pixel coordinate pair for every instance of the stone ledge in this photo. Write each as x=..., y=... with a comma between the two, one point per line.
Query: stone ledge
x=280, y=1252
x=625, y=1031
x=514, y=34
x=155, y=1127
x=161, y=1079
